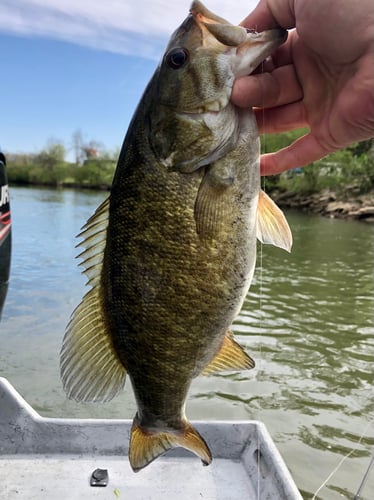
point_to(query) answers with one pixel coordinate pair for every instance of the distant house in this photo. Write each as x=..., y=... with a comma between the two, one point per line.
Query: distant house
x=91, y=153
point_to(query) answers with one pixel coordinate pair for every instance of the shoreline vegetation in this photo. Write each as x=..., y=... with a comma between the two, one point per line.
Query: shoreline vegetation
x=338, y=186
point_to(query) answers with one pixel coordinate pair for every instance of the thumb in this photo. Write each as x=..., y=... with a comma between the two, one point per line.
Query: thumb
x=271, y=14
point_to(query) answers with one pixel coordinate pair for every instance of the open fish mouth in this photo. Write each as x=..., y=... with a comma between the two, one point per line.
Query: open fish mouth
x=251, y=46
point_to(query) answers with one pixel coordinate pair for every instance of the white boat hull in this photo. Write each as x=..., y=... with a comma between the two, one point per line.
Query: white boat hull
x=43, y=458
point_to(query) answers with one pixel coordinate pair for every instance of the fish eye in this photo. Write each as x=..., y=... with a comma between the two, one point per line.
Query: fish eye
x=176, y=58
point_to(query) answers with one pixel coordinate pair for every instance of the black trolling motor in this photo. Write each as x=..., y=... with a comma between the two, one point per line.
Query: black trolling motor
x=5, y=231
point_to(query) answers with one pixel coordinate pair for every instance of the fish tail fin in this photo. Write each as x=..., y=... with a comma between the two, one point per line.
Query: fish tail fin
x=146, y=446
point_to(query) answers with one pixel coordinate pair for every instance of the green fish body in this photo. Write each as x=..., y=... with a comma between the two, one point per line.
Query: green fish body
x=171, y=254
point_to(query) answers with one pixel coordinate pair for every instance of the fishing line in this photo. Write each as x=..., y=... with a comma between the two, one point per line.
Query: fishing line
x=341, y=463
x=262, y=185
x=364, y=479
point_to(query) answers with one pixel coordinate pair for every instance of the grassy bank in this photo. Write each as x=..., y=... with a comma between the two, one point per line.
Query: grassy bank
x=94, y=174
x=347, y=173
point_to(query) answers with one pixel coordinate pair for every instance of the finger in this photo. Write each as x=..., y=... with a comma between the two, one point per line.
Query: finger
x=267, y=90
x=284, y=54
x=266, y=66
x=271, y=14
x=281, y=119
x=300, y=153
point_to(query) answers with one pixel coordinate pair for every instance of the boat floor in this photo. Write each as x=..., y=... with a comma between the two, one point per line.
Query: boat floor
x=43, y=458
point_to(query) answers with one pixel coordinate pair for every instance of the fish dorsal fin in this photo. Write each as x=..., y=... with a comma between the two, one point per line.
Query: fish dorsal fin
x=146, y=446
x=231, y=356
x=93, y=236
x=272, y=226
x=90, y=367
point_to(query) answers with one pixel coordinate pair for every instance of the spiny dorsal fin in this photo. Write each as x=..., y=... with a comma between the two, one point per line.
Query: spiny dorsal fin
x=94, y=239
x=272, y=226
x=90, y=367
x=146, y=446
x=231, y=356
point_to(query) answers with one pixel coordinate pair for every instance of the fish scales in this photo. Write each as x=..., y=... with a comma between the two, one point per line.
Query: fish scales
x=180, y=290
x=182, y=220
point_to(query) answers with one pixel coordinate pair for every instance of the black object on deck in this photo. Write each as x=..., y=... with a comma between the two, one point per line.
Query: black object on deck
x=5, y=232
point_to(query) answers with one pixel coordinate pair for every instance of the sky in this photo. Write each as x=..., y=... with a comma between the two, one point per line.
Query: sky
x=68, y=65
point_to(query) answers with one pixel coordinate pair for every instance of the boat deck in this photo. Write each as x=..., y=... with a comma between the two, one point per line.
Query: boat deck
x=43, y=458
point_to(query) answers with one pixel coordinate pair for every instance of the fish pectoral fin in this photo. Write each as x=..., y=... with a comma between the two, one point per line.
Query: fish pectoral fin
x=231, y=356
x=211, y=204
x=272, y=226
x=146, y=446
x=90, y=368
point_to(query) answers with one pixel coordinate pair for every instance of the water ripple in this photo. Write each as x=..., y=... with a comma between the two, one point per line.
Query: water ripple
x=307, y=321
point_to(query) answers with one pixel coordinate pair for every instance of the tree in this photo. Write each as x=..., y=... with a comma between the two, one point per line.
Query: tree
x=77, y=143
x=53, y=154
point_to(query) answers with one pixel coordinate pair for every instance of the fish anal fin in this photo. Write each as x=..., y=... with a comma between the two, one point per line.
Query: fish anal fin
x=146, y=446
x=272, y=226
x=231, y=356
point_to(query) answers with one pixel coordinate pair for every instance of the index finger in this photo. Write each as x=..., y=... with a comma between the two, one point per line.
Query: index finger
x=270, y=14
x=301, y=152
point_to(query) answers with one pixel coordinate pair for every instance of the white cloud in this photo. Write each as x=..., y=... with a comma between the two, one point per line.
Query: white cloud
x=130, y=27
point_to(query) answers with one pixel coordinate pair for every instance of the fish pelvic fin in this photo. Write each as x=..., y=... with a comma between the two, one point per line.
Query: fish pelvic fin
x=90, y=368
x=231, y=356
x=272, y=226
x=146, y=446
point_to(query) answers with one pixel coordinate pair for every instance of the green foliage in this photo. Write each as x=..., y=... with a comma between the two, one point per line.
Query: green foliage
x=48, y=167
x=349, y=170
x=53, y=155
x=94, y=173
x=356, y=171
x=361, y=148
x=275, y=142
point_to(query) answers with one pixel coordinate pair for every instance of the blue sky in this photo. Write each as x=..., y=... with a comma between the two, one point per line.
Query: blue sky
x=82, y=64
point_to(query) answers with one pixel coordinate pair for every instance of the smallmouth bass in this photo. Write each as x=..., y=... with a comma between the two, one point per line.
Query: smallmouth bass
x=171, y=253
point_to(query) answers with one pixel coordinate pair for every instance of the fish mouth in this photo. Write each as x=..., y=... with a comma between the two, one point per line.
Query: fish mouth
x=256, y=48
x=199, y=10
x=248, y=49
x=252, y=47
x=210, y=24
x=212, y=107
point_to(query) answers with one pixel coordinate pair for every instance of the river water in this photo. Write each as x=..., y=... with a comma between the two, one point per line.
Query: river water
x=308, y=321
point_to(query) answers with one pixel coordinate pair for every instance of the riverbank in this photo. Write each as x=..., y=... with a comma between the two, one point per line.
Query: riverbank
x=329, y=203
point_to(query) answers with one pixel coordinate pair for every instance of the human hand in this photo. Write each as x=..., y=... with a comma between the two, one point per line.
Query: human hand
x=321, y=78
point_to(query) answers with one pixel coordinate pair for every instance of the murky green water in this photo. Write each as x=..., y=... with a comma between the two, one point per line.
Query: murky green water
x=308, y=321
